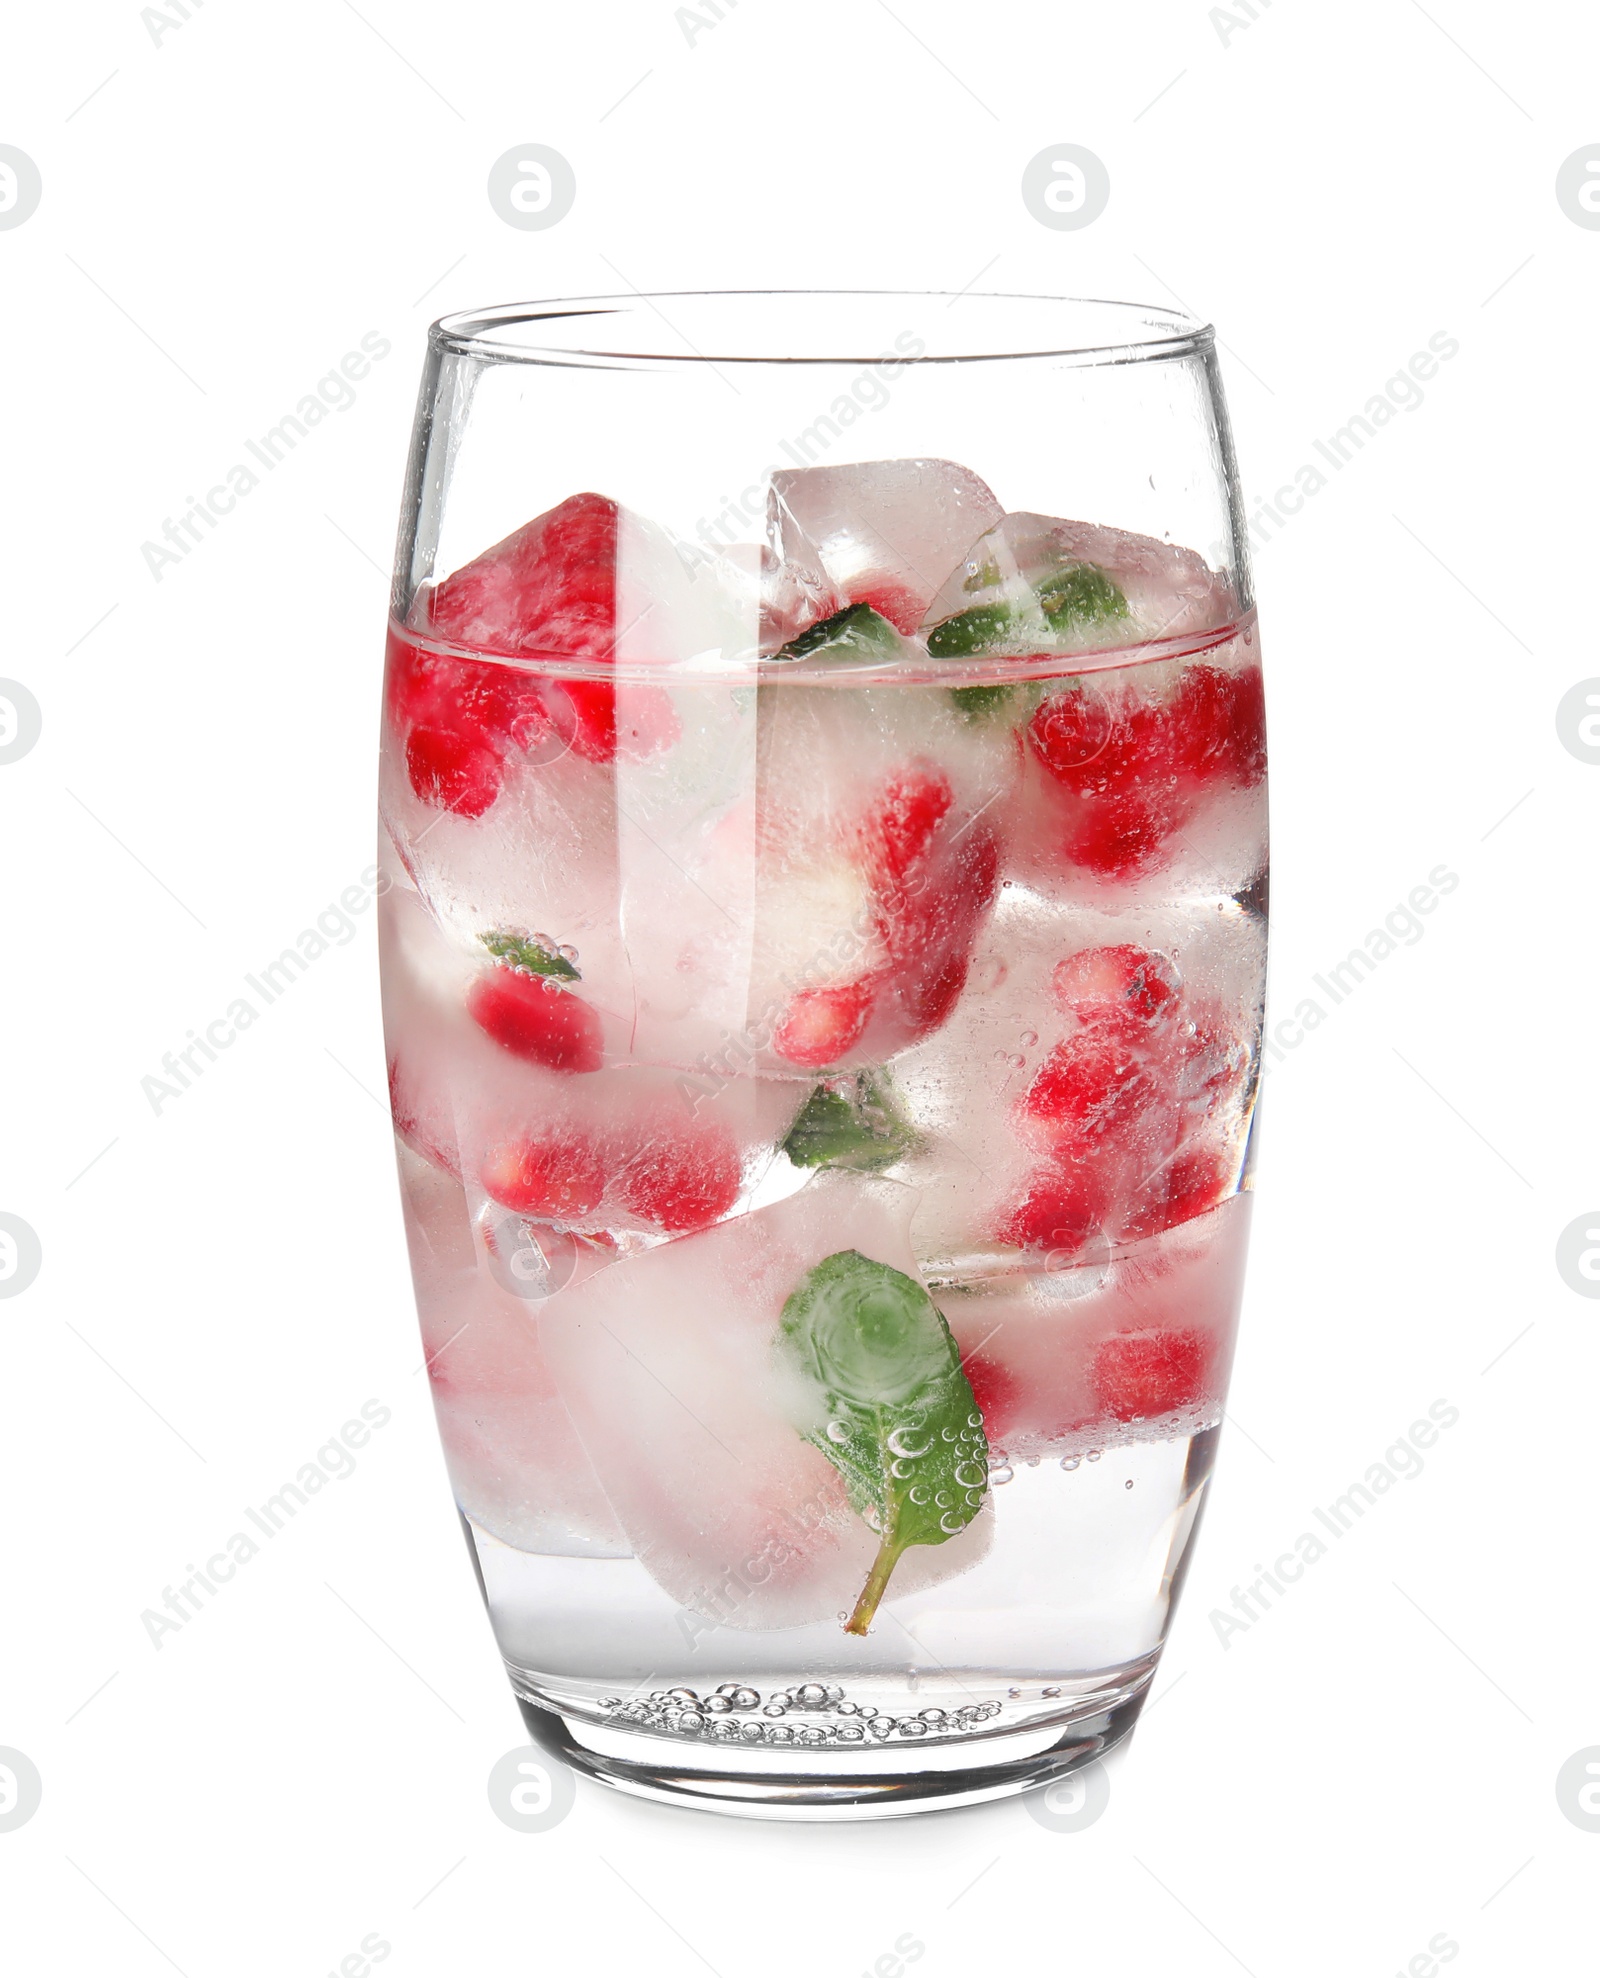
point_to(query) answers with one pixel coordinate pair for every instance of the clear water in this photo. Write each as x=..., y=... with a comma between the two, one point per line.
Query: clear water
x=1075, y=1594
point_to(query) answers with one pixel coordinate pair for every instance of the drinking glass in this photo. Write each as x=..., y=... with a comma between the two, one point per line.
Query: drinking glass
x=824, y=850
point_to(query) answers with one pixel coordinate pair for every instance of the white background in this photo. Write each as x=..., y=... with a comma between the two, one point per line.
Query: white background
x=1366, y=1767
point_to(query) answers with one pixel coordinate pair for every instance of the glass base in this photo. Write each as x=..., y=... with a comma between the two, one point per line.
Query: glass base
x=840, y=1782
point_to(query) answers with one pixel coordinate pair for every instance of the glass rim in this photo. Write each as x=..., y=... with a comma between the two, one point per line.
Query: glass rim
x=1151, y=332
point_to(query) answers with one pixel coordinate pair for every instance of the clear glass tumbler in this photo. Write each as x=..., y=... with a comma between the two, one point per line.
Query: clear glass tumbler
x=824, y=815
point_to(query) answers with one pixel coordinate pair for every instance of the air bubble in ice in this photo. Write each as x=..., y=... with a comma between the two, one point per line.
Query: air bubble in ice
x=1095, y=1455
x=931, y=1716
x=910, y=1727
x=1070, y=1462
x=1002, y=1473
x=899, y=1446
x=849, y=1733
x=918, y=1493
x=951, y=1523
x=970, y=1476
x=812, y=1695
x=837, y=1432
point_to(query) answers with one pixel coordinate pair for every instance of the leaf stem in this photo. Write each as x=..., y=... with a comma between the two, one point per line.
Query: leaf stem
x=889, y=1551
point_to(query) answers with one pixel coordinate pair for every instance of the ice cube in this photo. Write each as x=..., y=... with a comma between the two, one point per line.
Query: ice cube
x=1035, y=583
x=679, y=602
x=992, y=1103
x=888, y=532
x=516, y=1465
x=1122, y=1350
x=797, y=590
x=641, y=1152
x=666, y=1363
x=877, y=855
x=1145, y=782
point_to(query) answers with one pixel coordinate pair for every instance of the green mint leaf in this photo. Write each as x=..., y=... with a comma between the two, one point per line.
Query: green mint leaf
x=524, y=953
x=849, y=1122
x=888, y=1404
x=856, y=633
x=978, y=702
x=980, y=629
x=1079, y=595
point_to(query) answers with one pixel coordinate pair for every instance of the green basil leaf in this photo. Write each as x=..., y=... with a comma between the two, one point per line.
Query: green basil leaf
x=856, y=633
x=888, y=1404
x=520, y=952
x=850, y=1122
